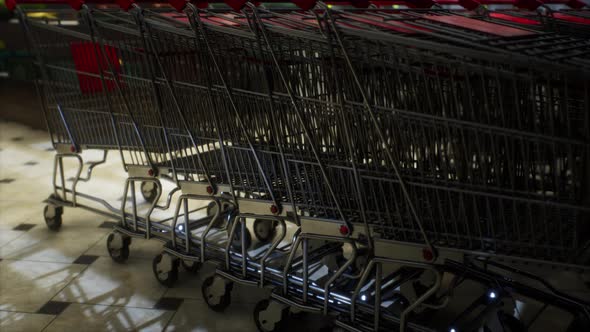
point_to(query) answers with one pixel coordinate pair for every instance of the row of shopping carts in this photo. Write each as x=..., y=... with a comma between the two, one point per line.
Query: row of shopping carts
x=384, y=158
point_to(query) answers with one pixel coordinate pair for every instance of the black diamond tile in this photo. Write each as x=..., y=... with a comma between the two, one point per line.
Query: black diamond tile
x=85, y=259
x=49, y=149
x=17, y=139
x=53, y=308
x=23, y=227
x=108, y=224
x=6, y=180
x=168, y=303
x=31, y=163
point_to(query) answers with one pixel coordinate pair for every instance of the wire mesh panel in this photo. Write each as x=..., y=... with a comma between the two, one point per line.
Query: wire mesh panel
x=72, y=91
x=135, y=95
x=493, y=150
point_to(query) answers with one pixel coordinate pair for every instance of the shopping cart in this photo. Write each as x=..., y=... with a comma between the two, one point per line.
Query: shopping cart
x=260, y=177
x=102, y=96
x=402, y=153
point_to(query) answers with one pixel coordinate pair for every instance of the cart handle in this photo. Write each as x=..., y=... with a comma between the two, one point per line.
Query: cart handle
x=75, y=4
x=179, y=5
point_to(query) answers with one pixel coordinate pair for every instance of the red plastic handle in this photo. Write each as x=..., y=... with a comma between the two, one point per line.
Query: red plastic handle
x=308, y=4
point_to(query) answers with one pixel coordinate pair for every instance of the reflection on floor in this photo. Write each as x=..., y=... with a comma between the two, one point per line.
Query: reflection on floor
x=60, y=281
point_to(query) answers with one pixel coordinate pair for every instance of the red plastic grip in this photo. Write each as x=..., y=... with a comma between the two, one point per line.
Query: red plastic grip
x=469, y=4
x=179, y=5
x=304, y=4
x=236, y=5
x=125, y=4
x=10, y=4
x=76, y=4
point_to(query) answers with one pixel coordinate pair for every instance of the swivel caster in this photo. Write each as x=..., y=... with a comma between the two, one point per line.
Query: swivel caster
x=149, y=191
x=217, y=292
x=236, y=241
x=118, y=247
x=264, y=229
x=165, y=269
x=270, y=316
x=52, y=215
x=191, y=266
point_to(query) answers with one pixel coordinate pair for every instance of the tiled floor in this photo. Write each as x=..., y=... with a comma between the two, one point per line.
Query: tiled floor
x=60, y=281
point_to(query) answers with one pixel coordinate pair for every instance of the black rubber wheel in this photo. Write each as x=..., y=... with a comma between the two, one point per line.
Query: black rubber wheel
x=264, y=229
x=149, y=191
x=215, y=300
x=119, y=255
x=266, y=326
x=52, y=215
x=297, y=315
x=236, y=242
x=191, y=266
x=165, y=277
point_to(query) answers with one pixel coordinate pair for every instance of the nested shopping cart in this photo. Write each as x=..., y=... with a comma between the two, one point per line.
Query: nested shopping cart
x=403, y=154
x=292, y=68
x=259, y=172
x=100, y=93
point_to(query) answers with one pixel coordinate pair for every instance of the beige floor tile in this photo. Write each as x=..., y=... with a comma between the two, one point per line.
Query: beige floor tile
x=21, y=322
x=27, y=286
x=109, y=283
x=40, y=244
x=7, y=234
x=90, y=318
x=194, y=315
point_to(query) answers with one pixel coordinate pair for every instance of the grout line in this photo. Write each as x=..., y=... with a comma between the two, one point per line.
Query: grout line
x=171, y=318
x=94, y=244
x=35, y=261
x=50, y=322
x=14, y=239
x=20, y=311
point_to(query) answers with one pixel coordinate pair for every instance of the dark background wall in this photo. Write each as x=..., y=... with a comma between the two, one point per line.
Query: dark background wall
x=18, y=99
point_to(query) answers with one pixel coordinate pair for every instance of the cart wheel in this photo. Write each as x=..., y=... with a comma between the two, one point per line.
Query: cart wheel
x=217, y=292
x=118, y=247
x=270, y=316
x=191, y=266
x=236, y=242
x=264, y=229
x=165, y=269
x=296, y=313
x=149, y=191
x=52, y=216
